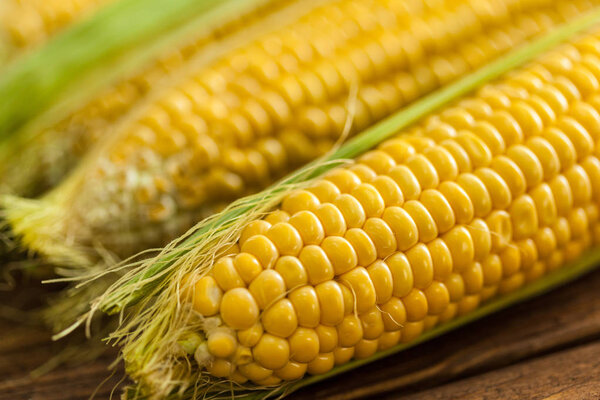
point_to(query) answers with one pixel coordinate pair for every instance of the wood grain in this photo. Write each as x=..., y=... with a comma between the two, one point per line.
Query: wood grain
x=553, y=340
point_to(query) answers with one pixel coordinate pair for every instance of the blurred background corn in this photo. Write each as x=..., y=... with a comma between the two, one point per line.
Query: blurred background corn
x=477, y=201
x=254, y=115
x=33, y=163
x=25, y=24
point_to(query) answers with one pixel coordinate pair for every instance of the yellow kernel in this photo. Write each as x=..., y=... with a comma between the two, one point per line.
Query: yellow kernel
x=304, y=345
x=364, y=173
x=511, y=261
x=511, y=283
x=262, y=248
x=247, y=266
x=220, y=368
x=359, y=282
x=277, y=216
x=250, y=336
x=407, y=181
x=351, y=209
x=226, y=274
x=443, y=162
x=499, y=191
x=286, y=238
x=343, y=354
x=258, y=227
x=365, y=349
x=393, y=314
x=387, y=340
x=460, y=244
x=350, y=331
x=478, y=152
x=578, y=223
x=363, y=246
x=323, y=363
x=544, y=203
x=271, y=352
x=341, y=254
x=562, y=146
x=254, y=371
x=239, y=309
x=438, y=298
x=579, y=137
x=545, y=242
x=473, y=278
x=591, y=166
x=455, y=286
x=527, y=118
x=416, y=305
x=378, y=160
x=280, y=318
x=221, y=343
x=267, y=287
x=345, y=180
x=412, y=330
x=389, y=191
x=331, y=301
x=207, y=296
x=459, y=154
x=328, y=338
x=529, y=253
x=372, y=323
x=439, y=209
x=292, y=271
x=563, y=197
x=579, y=182
x=490, y=135
x=441, y=259
x=523, y=217
x=316, y=264
x=458, y=199
x=468, y=304
x=402, y=274
x=449, y=313
x=477, y=192
x=528, y=163
x=547, y=156
x=507, y=126
x=491, y=269
x=326, y=191
x=422, y=218
x=511, y=174
x=402, y=225
x=291, y=372
x=382, y=279
x=482, y=239
x=331, y=218
x=299, y=200
x=370, y=199
x=381, y=235
x=424, y=171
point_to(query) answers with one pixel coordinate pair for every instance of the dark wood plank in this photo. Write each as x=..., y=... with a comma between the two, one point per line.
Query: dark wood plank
x=570, y=374
x=565, y=318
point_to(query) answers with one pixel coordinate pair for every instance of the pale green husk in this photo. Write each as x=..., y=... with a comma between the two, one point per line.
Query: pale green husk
x=151, y=331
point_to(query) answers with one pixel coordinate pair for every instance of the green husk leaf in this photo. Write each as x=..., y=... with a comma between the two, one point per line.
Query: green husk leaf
x=129, y=291
x=47, y=83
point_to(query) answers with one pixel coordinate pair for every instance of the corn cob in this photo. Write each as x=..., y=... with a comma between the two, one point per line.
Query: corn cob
x=232, y=128
x=25, y=24
x=475, y=202
x=50, y=153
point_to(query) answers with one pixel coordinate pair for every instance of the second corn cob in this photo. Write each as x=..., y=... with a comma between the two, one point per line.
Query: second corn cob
x=233, y=128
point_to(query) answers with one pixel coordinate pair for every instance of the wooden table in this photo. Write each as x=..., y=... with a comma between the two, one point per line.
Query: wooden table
x=546, y=348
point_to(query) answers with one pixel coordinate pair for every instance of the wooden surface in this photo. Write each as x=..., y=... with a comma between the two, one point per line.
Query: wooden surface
x=546, y=348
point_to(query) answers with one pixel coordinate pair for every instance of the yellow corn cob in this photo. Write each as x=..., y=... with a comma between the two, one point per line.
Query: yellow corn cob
x=50, y=153
x=478, y=200
x=266, y=108
x=24, y=24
